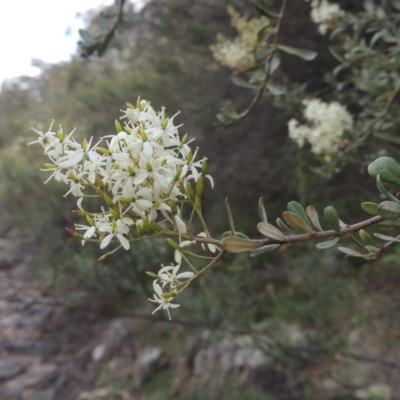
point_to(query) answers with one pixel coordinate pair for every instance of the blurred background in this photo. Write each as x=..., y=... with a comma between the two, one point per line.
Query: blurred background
x=299, y=324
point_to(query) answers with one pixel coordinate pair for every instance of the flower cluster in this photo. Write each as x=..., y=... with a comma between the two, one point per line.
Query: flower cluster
x=326, y=15
x=141, y=173
x=326, y=126
x=239, y=53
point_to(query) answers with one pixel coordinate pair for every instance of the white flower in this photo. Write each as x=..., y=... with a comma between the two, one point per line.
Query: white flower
x=239, y=53
x=178, y=252
x=118, y=230
x=326, y=125
x=210, y=246
x=163, y=299
x=326, y=15
x=169, y=275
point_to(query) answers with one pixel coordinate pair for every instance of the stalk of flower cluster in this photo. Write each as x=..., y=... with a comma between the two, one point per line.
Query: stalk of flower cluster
x=141, y=173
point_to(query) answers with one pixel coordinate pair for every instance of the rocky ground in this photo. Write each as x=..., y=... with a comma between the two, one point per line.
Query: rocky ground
x=49, y=351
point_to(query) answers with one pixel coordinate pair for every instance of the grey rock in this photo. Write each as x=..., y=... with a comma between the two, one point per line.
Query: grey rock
x=9, y=369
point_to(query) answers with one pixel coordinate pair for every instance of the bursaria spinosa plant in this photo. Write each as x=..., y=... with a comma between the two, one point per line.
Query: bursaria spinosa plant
x=146, y=176
x=149, y=180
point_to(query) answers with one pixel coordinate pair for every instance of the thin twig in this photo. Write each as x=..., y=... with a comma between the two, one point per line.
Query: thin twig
x=257, y=98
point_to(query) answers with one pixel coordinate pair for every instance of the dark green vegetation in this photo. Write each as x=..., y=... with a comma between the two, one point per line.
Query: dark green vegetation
x=162, y=55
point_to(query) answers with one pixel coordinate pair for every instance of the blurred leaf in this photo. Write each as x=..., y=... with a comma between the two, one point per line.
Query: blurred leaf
x=269, y=248
x=370, y=208
x=261, y=210
x=270, y=231
x=242, y=83
x=389, y=210
x=387, y=137
x=229, y=216
x=386, y=238
x=237, y=234
x=295, y=221
x=275, y=90
x=296, y=208
x=327, y=244
x=350, y=252
x=387, y=168
x=283, y=227
x=365, y=236
x=384, y=191
x=233, y=244
x=263, y=10
x=332, y=218
x=356, y=261
x=313, y=215
x=307, y=55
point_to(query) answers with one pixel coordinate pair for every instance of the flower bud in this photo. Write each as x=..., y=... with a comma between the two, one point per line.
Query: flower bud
x=149, y=167
x=204, y=167
x=169, y=295
x=60, y=135
x=172, y=243
x=143, y=135
x=190, y=191
x=114, y=214
x=118, y=126
x=74, y=233
x=99, y=182
x=107, y=199
x=139, y=230
x=79, y=213
x=200, y=186
x=185, y=138
x=104, y=151
x=89, y=220
x=152, y=275
x=85, y=144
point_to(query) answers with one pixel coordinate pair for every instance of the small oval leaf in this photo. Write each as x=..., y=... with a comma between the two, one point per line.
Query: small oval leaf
x=327, y=244
x=350, y=252
x=259, y=252
x=270, y=231
x=332, y=218
x=298, y=209
x=387, y=168
x=370, y=208
x=261, y=210
x=365, y=236
x=295, y=221
x=233, y=244
x=237, y=234
x=356, y=261
x=386, y=238
x=389, y=210
x=307, y=55
x=313, y=215
x=283, y=227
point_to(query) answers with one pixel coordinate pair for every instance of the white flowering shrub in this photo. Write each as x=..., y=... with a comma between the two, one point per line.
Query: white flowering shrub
x=151, y=184
x=325, y=128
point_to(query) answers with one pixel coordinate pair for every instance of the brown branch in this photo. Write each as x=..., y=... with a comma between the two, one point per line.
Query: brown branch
x=257, y=98
x=369, y=128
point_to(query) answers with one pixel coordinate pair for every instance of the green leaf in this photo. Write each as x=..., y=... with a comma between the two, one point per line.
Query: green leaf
x=262, y=10
x=229, y=216
x=237, y=234
x=356, y=261
x=365, y=236
x=387, y=168
x=233, y=244
x=332, y=218
x=242, y=83
x=389, y=210
x=387, y=137
x=370, y=208
x=275, y=90
x=350, y=252
x=261, y=210
x=296, y=208
x=313, y=215
x=295, y=221
x=384, y=191
x=269, y=248
x=386, y=238
x=327, y=244
x=270, y=231
x=307, y=55
x=283, y=227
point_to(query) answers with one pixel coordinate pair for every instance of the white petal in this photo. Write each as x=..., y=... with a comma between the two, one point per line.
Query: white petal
x=124, y=241
x=180, y=224
x=106, y=241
